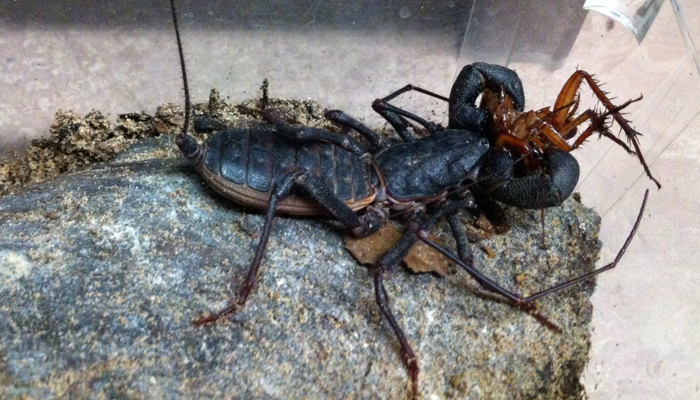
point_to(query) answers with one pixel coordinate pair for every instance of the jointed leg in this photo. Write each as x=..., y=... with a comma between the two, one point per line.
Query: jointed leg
x=297, y=134
x=460, y=234
x=385, y=109
x=388, y=261
x=517, y=299
x=598, y=124
x=280, y=192
x=465, y=254
x=409, y=88
x=343, y=119
x=391, y=258
x=464, y=114
x=568, y=93
x=397, y=116
x=359, y=226
x=558, y=135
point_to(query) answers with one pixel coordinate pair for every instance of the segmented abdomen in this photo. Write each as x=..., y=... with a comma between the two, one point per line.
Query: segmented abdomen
x=249, y=160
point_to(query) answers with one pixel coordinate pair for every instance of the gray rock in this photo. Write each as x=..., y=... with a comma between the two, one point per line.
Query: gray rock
x=102, y=272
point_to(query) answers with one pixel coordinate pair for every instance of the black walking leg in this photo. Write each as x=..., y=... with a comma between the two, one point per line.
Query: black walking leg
x=298, y=134
x=316, y=189
x=345, y=120
x=516, y=298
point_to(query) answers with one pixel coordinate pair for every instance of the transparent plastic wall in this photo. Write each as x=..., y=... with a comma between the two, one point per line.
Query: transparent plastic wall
x=121, y=57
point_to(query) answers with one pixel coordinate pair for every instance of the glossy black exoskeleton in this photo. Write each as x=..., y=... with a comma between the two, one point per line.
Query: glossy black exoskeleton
x=306, y=171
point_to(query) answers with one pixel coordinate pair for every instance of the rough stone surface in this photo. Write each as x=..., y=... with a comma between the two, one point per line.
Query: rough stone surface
x=103, y=270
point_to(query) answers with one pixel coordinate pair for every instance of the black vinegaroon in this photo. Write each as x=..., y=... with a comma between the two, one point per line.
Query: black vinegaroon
x=289, y=170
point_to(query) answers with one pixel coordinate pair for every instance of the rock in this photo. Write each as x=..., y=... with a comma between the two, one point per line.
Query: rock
x=103, y=270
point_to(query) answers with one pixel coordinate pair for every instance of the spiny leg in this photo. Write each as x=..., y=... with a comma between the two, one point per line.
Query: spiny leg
x=568, y=92
x=598, y=123
x=518, y=299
